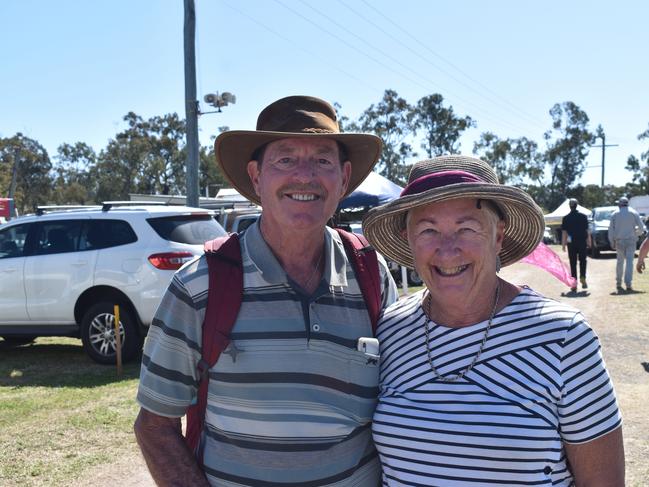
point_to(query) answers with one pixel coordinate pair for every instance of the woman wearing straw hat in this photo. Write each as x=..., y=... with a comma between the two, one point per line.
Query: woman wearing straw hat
x=484, y=382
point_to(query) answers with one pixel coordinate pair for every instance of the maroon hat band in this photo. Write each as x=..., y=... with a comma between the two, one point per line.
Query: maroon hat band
x=439, y=179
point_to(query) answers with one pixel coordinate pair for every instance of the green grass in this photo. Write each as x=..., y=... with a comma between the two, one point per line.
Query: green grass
x=61, y=414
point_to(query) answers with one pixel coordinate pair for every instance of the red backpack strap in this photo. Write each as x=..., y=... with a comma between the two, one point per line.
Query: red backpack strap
x=224, y=297
x=366, y=265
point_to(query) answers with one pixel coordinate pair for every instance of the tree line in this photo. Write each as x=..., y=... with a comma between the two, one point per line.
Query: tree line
x=148, y=156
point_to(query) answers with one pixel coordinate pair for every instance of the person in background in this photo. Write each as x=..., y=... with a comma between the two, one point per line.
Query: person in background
x=623, y=233
x=575, y=233
x=484, y=382
x=642, y=254
x=292, y=396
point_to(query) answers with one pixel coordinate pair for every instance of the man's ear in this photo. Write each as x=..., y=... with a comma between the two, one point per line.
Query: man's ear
x=253, y=174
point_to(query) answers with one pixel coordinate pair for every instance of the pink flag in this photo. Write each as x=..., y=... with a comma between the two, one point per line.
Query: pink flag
x=545, y=258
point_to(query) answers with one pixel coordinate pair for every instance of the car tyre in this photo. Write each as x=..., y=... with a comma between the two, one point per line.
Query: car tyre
x=414, y=279
x=594, y=252
x=98, y=333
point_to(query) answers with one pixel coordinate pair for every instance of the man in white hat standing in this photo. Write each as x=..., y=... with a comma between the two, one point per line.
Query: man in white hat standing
x=626, y=225
x=291, y=399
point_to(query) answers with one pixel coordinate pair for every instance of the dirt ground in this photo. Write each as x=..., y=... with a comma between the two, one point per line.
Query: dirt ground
x=622, y=323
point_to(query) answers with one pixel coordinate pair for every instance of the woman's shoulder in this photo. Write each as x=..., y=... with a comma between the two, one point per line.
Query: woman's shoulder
x=406, y=304
x=402, y=313
x=532, y=305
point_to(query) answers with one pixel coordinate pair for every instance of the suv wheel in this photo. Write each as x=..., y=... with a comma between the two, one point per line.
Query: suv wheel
x=594, y=252
x=414, y=279
x=98, y=333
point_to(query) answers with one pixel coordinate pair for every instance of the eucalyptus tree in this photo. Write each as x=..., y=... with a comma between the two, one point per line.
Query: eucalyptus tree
x=640, y=171
x=516, y=161
x=392, y=119
x=32, y=183
x=441, y=126
x=567, y=145
x=73, y=175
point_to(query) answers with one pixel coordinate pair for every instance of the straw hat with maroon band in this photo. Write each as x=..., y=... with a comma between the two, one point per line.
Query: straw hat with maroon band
x=455, y=177
x=293, y=117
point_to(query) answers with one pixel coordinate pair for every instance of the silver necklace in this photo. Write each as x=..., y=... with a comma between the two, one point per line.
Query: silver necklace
x=456, y=377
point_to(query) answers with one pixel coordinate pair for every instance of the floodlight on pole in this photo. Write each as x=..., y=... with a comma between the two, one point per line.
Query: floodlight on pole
x=219, y=101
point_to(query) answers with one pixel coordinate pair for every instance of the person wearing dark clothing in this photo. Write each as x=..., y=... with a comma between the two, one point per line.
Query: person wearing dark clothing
x=575, y=233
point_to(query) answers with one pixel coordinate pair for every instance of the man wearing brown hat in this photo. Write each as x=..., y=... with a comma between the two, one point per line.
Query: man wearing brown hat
x=291, y=398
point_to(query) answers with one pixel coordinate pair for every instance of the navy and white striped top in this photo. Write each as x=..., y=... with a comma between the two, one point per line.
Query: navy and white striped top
x=540, y=382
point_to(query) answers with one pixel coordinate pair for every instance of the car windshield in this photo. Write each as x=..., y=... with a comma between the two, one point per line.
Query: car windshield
x=603, y=215
x=187, y=229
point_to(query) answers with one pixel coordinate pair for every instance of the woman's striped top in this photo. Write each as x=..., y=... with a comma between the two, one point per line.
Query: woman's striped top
x=540, y=382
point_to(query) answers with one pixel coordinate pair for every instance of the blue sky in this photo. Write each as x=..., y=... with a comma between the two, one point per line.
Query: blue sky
x=70, y=70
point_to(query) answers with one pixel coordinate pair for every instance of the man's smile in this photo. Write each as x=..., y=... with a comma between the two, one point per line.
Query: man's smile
x=303, y=196
x=451, y=271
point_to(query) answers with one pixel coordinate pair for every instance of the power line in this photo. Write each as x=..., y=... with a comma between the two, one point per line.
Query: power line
x=389, y=68
x=294, y=45
x=511, y=106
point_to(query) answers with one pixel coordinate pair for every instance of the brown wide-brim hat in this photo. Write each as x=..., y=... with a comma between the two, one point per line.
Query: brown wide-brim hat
x=448, y=178
x=293, y=117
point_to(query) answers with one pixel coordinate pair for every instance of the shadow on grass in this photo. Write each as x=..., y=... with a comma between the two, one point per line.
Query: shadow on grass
x=576, y=294
x=604, y=256
x=57, y=365
x=624, y=292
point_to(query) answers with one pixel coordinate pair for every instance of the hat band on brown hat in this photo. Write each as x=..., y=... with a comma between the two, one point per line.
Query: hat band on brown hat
x=439, y=179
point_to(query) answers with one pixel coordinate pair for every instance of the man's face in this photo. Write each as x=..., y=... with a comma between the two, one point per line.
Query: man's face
x=299, y=183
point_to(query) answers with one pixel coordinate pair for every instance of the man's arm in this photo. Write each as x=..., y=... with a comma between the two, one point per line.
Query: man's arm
x=564, y=239
x=169, y=460
x=589, y=241
x=598, y=463
x=644, y=250
x=638, y=222
x=611, y=231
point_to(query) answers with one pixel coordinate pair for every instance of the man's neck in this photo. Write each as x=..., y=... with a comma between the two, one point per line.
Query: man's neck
x=300, y=253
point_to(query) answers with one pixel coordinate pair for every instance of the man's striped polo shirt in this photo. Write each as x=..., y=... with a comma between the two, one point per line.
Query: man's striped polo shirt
x=291, y=398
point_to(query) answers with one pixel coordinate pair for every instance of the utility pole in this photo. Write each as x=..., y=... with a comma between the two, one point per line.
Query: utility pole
x=191, y=104
x=602, y=136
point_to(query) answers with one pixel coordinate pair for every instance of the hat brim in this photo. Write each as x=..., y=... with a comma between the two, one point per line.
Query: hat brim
x=234, y=149
x=524, y=224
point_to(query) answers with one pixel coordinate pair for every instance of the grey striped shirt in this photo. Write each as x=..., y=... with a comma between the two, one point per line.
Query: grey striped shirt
x=291, y=399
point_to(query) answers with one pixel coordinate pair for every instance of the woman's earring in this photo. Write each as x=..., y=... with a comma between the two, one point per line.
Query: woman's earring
x=497, y=264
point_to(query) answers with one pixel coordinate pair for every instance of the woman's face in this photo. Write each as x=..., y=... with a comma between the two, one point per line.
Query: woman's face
x=455, y=245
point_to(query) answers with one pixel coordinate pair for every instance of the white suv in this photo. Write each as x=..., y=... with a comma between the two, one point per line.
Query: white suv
x=63, y=269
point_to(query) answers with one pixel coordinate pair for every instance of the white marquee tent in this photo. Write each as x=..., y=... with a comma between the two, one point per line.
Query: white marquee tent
x=555, y=218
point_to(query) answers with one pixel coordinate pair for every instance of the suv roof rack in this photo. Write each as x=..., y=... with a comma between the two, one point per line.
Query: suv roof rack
x=107, y=205
x=40, y=210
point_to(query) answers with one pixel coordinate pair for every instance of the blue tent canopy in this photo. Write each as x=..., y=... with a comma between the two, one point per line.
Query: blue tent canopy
x=373, y=191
